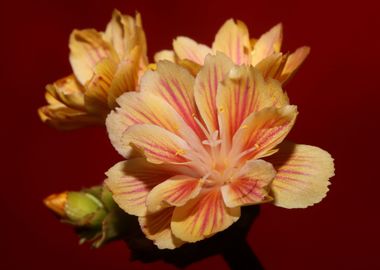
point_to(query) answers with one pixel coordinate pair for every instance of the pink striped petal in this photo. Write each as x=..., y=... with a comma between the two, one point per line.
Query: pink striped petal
x=243, y=93
x=251, y=186
x=232, y=39
x=87, y=48
x=156, y=227
x=262, y=131
x=157, y=144
x=269, y=43
x=146, y=108
x=130, y=182
x=175, y=191
x=186, y=48
x=175, y=85
x=203, y=216
x=303, y=173
x=214, y=71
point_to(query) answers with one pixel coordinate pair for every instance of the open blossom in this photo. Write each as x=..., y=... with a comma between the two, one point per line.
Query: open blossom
x=233, y=40
x=105, y=65
x=200, y=148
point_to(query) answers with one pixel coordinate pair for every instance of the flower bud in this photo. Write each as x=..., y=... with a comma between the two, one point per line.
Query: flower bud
x=91, y=211
x=56, y=203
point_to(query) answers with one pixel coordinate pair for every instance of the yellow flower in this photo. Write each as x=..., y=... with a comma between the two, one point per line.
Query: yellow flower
x=233, y=40
x=200, y=148
x=105, y=65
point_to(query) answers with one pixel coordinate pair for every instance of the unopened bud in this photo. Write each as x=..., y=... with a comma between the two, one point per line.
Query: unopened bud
x=56, y=203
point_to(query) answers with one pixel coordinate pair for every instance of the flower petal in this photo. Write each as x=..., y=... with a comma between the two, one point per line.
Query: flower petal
x=125, y=33
x=262, y=131
x=62, y=117
x=214, y=71
x=251, y=185
x=97, y=89
x=175, y=191
x=164, y=55
x=272, y=66
x=157, y=144
x=130, y=182
x=233, y=40
x=242, y=93
x=87, y=48
x=269, y=43
x=125, y=78
x=68, y=91
x=156, y=227
x=175, y=85
x=303, y=173
x=293, y=62
x=203, y=216
x=186, y=48
x=143, y=108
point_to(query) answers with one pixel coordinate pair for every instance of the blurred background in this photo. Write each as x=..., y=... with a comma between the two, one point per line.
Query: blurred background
x=337, y=91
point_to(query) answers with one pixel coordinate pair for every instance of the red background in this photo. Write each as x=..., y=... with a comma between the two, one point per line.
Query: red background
x=336, y=90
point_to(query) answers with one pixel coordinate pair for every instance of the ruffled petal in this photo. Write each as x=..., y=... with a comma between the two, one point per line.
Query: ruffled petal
x=250, y=186
x=87, y=48
x=269, y=43
x=203, y=216
x=303, y=174
x=130, y=182
x=262, y=131
x=214, y=71
x=186, y=48
x=175, y=85
x=175, y=191
x=294, y=61
x=157, y=144
x=233, y=40
x=156, y=227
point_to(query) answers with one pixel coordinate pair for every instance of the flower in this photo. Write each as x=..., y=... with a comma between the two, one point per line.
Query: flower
x=233, y=40
x=199, y=149
x=105, y=65
x=92, y=212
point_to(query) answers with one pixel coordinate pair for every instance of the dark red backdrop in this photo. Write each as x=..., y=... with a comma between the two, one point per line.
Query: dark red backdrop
x=337, y=91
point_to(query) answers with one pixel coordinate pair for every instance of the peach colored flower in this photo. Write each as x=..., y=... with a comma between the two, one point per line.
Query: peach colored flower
x=233, y=40
x=105, y=65
x=200, y=148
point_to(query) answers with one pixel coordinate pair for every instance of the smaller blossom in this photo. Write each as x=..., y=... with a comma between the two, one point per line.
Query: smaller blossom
x=105, y=65
x=233, y=40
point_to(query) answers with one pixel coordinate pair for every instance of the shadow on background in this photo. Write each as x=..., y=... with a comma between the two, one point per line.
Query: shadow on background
x=231, y=244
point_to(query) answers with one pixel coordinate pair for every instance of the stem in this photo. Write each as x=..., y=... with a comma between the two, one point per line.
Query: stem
x=241, y=257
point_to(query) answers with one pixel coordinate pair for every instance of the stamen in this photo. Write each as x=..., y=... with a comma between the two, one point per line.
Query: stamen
x=213, y=139
x=207, y=134
x=180, y=152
